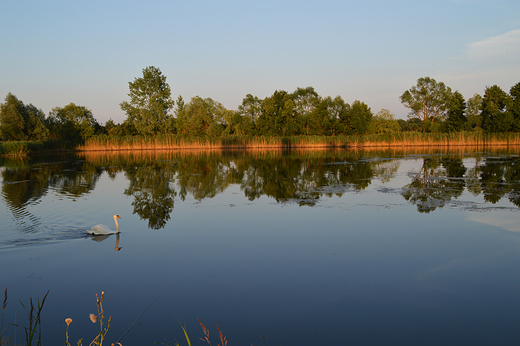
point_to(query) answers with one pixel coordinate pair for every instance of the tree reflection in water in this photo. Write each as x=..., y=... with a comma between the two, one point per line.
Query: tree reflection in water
x=439, y=180
x=25, y=183
x=153, y=196
x=156, y=178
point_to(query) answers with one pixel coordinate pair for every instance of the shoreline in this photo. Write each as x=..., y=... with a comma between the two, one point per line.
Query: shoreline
x=174, y=143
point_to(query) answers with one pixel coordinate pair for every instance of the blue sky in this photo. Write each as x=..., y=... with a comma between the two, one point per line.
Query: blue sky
x=53, y=53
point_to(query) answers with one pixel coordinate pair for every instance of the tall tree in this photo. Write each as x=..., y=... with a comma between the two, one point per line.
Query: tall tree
x=515, y=105
x=361, y=116
x=278, y=115
x=384, y=122
x=20, y=122
x=473, y=108
x=456, y=113
x=321, y=121
x=305, y=102
x=150, y=101
x=250, y=109
x=203, y=117
x=339, y=114
x=112, y=128
x=427, y=101
x=180, y=116
x=73, y=122
x=35, y=123
x=495, y=114
x=12, y=119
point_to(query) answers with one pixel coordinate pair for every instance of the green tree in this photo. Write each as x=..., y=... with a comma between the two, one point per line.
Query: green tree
x=232, y=123
x=150, y=101
x=495, y=114
x=515, y=105
x=201, y=117
x=410, y=125
x=327, y=117
x=12, y=119
x=319, y=121
x=456, y=113
x=287, y=121
x=305, y=102
x=35, y=123
x=73, y=122
x=361, y=117
x=427, y=101
x=181, y=123
x=473, y=108
x=21, y=122
x=235, y=124
x=384, y=122
x=338, y=111
x=278, y=116
x=128, y=128
x=250, y=109
x=113, y=129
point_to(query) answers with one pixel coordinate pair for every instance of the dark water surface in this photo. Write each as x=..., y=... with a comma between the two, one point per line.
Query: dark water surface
x=277, y=248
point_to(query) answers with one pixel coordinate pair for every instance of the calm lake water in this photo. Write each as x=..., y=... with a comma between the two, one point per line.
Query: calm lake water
x=277, y=248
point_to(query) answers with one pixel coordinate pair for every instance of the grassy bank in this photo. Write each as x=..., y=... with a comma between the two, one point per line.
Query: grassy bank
x=173, y=142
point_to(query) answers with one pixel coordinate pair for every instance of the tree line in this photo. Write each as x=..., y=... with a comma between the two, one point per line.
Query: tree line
x=150, y=111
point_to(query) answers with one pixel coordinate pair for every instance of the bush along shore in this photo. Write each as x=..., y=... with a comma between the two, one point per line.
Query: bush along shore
x=176, y=142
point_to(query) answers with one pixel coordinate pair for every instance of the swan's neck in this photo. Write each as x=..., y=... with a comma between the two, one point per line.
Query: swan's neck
x=117, y=225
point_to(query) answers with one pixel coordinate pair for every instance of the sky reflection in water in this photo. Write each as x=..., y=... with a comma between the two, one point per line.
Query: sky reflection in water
x=353, y=248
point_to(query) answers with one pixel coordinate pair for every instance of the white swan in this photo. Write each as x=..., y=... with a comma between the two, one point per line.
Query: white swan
x=103, y=230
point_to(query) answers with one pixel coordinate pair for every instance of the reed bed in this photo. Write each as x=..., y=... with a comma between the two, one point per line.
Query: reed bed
x=175, y=142
x=210, y=143
x=403, y=139
x=414, y=139
x=16, y=149
x=23, y=149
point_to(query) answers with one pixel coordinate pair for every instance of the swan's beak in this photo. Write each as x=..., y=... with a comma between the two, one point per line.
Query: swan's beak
x=118, y=216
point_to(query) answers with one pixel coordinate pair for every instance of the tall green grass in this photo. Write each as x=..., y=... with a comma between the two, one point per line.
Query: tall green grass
x=33, y=332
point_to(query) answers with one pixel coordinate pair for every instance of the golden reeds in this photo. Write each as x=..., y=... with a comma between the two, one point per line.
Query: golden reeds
x=402, y=139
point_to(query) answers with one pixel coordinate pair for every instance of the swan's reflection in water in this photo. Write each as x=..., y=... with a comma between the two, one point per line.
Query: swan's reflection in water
x=100, y=238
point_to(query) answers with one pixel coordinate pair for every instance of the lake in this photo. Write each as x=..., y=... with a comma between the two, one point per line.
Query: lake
x=389, y=247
